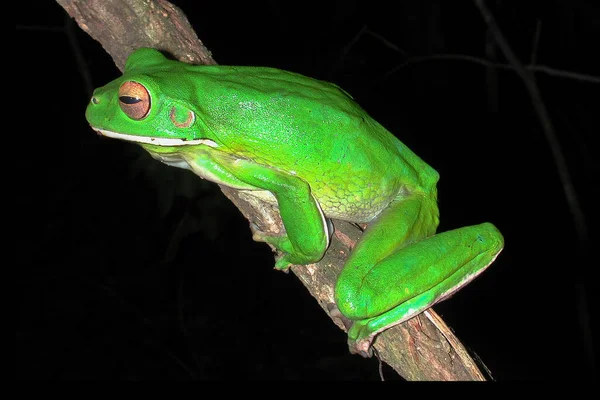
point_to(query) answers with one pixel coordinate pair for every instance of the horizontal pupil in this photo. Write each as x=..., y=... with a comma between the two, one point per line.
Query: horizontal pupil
x=129, y=99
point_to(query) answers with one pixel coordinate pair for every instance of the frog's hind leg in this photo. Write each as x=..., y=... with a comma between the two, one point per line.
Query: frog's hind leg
x=400, y=268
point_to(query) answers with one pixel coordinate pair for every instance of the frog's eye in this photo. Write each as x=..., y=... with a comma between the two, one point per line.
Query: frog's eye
x=134, y=100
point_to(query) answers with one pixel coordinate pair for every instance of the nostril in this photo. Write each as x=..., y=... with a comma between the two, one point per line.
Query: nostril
x=95, y=100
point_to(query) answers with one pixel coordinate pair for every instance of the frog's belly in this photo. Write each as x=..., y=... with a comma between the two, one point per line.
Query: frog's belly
x=354, y=206
x=353, y=201
x=343, y=205
x=335, y=208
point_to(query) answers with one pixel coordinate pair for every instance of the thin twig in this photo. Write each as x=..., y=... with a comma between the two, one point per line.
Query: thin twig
x=536, y=42
x=560, y=162
x=544, y=117
x=346, y=49
x=486, y=63
x=563, y=74
x=385, y=41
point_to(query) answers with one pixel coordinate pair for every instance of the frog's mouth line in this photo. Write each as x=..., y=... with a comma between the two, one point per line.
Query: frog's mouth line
x=155, y=141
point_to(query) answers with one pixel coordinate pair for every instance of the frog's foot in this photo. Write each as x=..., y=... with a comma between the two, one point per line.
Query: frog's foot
x=361, y=347
x=257, y=234
x=279, y=243
x=282, y=264
x=289, y=253
x=360, y=338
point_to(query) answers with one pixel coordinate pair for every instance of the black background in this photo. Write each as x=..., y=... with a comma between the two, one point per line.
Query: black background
x=129, y=269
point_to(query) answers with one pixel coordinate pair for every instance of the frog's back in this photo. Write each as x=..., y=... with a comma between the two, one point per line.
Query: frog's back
x=312, y=129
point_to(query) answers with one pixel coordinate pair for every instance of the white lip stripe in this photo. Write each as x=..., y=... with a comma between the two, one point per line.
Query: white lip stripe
x=155, y=141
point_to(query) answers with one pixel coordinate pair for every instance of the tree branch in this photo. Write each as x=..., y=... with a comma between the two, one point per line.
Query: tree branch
x=422, y=348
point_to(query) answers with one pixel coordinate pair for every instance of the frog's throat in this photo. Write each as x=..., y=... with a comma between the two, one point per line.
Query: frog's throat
x=154, y=140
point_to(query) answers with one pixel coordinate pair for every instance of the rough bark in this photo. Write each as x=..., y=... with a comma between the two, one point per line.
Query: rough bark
x=422, y=348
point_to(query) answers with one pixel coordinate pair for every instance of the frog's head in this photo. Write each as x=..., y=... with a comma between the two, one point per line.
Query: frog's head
x=147, y=104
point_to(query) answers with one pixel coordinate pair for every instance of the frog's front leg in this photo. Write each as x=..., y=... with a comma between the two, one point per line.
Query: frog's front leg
x=306, y=233
x=400, y=267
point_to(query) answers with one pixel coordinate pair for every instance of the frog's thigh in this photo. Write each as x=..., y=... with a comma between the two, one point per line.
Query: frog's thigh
x=378, y=294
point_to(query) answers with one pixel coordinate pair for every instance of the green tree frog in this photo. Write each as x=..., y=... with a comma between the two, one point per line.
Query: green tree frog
x=308, y=146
